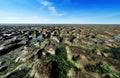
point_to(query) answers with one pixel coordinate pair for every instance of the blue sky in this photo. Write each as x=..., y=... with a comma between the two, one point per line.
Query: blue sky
x=60, y=11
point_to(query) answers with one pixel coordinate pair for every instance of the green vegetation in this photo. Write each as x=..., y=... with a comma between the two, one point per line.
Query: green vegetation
x=28, y=75
x=9, y=60
x=33, y=46
x=18, y=74
x=64, y=65
x=102, y=68
x=24, y=73
x=91, y=50
x=93, y=53
x=116, y=53
x=106, y=50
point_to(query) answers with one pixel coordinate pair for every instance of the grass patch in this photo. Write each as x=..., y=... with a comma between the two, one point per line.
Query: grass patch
x=106, y=50
x=102, y=68
x=24, y=73
x=91, y=50
x=116, y=53
x=10, y=61
x=28, y=74
x=64, y=65
x=93, y=53
x=18, y=74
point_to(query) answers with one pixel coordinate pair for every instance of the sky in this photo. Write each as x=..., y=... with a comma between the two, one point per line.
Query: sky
x=60, y=11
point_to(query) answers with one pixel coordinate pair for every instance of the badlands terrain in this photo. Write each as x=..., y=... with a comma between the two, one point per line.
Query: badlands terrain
x=59, y=51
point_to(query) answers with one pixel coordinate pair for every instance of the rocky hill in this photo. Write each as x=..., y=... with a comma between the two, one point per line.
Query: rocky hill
x=60, y=51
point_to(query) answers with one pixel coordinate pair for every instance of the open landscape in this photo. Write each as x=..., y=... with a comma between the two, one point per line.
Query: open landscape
x=59, y=38
x=59, y=51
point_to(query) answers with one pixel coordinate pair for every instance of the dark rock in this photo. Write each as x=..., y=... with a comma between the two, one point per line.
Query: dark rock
x=10, y=48
x=72, y=38
x=2, y=63
x=3, y=68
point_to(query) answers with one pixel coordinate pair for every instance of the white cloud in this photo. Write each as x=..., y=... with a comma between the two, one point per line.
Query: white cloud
x=46, y=3
x=53, y=11
x=50, y=7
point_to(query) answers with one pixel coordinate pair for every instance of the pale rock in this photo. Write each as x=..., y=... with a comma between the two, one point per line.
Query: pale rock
x=20, y=67
x=98, y=52
x=105, y=54
x=69, y=53
x=55, y=39
x=110, y=45
x=37, y=44
x=71, y=73
x=2, y=47
x=51, y=51
x=66, y=41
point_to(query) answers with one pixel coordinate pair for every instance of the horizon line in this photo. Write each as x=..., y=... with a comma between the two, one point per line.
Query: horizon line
x=62, y=23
